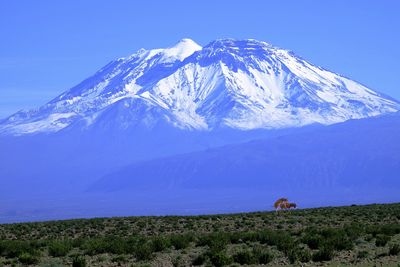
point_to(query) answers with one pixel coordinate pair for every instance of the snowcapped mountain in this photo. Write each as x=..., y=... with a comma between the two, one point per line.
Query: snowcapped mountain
x=164, y=129
x=239, y=84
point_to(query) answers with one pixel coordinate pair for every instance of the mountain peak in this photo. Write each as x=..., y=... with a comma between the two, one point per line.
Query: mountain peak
x=238, y=43
x=180, y=50
x=239, y=84
x=187, y=41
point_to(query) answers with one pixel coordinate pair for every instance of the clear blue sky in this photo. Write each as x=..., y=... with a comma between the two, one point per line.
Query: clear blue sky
x=49, y=46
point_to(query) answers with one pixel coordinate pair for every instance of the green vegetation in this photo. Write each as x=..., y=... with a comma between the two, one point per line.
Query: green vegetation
x=78, y=261
x=356, y=235
x=59, y=248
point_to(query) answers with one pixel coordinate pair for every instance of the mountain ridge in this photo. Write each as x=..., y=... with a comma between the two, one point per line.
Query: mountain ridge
x=241, y=84
x=323, y=152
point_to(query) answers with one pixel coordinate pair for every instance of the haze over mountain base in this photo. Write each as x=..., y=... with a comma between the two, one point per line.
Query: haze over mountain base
x=349, y=163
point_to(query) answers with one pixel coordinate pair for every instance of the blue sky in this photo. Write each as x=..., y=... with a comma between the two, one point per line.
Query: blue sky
x=47, y=47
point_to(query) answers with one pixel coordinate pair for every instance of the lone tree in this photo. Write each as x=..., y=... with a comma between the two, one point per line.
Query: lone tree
x=284, y=204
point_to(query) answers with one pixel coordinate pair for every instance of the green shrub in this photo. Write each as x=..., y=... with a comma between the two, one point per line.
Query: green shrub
x=160, y=244
x=368, y=237
x=143, y=252
x=119, y=259
x=77, y=243
x=394, y=250
x=324, y=254
x=381, y=255
x=340, y=242
x=362, y=254
x=390, y=229
x=118, y=245
x=312, y=240
x=381, y=240
x=299, y=254
x=95, y=246
x=244, y=257
x=220, y=259
x=178, y=261
x=111, y=244
x=262, y=256
x=336, y=238
x=354, y=231
x=181, y=241
x=59, y=248
x=52, y=263
x=236, y=237
x=199, y=260
x=78, y=261
x=14, y=248
x=281, y=239
x=257, y=255
x=27, y=258
x=215, y=241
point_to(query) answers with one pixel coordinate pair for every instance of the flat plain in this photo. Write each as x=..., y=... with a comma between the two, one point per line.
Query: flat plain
x=367, y=235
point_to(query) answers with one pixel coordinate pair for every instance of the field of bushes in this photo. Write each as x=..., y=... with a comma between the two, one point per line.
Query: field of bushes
x=334, y=236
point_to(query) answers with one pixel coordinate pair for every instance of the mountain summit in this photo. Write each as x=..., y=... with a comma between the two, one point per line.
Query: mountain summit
x=180, y=51
x=239, y=84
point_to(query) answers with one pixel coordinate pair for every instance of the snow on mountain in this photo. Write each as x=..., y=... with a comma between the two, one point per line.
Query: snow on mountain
x=240, y=84
x=179, y=51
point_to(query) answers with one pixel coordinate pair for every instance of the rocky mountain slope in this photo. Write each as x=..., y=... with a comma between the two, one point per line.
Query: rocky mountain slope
x=239, y=84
